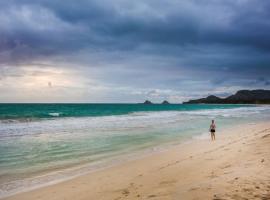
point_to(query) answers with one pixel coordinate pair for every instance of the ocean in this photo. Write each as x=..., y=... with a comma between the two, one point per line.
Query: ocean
x=45, y=143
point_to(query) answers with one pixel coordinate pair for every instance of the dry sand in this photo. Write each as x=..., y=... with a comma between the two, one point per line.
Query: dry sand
x=235, y=166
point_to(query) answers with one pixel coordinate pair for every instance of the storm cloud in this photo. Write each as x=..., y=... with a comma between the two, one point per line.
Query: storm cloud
x=140, y=49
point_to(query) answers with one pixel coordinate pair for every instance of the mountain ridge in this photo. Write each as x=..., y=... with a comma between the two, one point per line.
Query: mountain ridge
x=258, y=96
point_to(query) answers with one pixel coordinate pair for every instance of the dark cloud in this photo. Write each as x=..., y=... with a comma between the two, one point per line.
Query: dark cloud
x=118, y=24
x=163, y=43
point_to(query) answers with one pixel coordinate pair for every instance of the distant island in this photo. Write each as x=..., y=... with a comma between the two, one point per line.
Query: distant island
x=147, y=102
x=240, y=97
x=165, y=102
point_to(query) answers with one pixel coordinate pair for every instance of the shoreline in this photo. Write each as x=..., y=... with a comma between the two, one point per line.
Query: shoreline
x=69, y=173
x=66, y=174
x=95, y=184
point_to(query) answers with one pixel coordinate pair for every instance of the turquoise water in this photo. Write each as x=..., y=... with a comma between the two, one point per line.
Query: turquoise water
x=37, y=111
x=42, y=143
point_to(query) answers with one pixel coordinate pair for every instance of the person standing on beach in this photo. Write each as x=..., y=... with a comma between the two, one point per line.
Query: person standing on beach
x=212, y=129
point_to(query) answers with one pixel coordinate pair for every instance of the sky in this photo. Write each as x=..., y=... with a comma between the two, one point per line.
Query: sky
x=125, y=51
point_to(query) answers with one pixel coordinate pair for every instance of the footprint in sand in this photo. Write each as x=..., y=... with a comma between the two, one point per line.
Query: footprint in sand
x=228, y=172
x=216, y=197
x=226, y=166
x=151, y=196
x=167, y=182
x=248, y=190
x=213, y=176
x=265, y=136
x=194, y=188
x=125, y=192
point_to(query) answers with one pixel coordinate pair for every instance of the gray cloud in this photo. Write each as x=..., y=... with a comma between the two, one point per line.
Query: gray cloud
x=179, y=45
x=58, y=26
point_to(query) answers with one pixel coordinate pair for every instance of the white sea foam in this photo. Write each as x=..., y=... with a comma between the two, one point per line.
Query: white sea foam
x=122, y=122
x=54, y=114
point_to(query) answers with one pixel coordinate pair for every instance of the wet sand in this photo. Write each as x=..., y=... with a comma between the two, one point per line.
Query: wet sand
x=235, y=166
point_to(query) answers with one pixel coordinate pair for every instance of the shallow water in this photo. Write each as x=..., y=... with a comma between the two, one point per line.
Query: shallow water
x=42, y=143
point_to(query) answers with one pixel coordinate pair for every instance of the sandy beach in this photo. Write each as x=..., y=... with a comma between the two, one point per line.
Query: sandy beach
x=235, y=166
x=120, y=100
